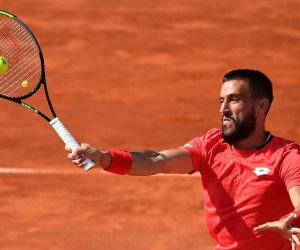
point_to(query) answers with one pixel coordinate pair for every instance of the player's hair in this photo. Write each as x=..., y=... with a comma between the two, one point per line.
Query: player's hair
x=260, y=85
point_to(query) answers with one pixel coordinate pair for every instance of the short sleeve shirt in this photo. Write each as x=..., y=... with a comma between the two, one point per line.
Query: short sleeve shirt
x=245, y=188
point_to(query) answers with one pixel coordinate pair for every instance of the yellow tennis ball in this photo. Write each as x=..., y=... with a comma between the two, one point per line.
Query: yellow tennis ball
x=3, y=65
x=25, y=84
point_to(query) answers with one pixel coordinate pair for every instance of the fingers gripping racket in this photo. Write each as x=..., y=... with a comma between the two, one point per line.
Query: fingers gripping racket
x=22, y=72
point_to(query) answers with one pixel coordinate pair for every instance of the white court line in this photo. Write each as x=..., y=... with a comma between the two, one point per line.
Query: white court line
x=15, y=170
x=32, y=171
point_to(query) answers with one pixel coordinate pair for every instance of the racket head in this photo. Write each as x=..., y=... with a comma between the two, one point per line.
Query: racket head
x=25, y=64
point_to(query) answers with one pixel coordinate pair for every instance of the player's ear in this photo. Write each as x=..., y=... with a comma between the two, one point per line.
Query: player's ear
x=263, y=105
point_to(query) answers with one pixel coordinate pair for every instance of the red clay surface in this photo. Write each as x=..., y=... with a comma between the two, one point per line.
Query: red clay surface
x=134, y=74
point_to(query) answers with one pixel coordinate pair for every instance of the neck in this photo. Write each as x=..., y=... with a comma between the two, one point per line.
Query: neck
x=254, y=141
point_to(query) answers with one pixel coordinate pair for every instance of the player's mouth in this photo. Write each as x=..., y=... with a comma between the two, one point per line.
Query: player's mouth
x=227, y=119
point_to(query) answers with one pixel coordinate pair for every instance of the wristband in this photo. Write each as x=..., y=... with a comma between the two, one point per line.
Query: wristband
x=295, y=220
x=121, y=162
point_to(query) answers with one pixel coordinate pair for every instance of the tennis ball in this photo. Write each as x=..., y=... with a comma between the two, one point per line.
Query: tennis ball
x=3, y=65
x=25, y=84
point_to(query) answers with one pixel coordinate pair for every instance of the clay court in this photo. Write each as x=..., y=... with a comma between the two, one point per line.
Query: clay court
x=133, y=74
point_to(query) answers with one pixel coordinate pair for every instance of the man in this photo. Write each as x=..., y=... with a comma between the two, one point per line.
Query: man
x=251, y=179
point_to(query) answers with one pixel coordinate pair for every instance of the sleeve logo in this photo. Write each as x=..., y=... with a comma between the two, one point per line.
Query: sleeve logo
x=188, y=145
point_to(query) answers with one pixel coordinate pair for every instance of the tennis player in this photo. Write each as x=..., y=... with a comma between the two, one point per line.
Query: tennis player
x=250, y=177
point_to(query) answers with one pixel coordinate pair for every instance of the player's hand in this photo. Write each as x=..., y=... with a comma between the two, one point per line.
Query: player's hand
x=79, y=155
x=283, y=227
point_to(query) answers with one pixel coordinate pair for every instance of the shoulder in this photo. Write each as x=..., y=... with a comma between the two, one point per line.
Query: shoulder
x=288, y=154
x=285, y=145
x=284, y=149
x=214, y=134
x=210, y=138
x=200, y=147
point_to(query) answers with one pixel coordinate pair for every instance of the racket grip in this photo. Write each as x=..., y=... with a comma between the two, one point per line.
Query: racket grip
x=68, y=139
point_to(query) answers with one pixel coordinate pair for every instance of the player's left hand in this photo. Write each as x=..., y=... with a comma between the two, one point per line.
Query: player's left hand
x=283, y=227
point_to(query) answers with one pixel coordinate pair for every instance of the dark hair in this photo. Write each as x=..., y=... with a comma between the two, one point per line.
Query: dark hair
x=259, y=84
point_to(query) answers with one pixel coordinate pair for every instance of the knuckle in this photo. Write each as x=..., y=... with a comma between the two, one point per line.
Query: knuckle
x=84, y=145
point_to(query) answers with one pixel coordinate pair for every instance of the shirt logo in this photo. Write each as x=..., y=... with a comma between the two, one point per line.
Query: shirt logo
x=261, y=171
x=188, y=145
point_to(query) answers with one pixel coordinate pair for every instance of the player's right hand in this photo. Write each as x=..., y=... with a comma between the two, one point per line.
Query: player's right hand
x=78, y=156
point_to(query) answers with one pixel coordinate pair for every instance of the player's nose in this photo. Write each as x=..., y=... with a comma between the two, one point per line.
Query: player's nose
x=224, y=108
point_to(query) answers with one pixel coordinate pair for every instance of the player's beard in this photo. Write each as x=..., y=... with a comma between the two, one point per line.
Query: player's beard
x=241, y=128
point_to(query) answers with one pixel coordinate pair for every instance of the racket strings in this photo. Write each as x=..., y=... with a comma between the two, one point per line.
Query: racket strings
x=18, y=52
x=31, y=70
x=24, y=63
x=14, y=54
x=16, y=72
x=6, y=30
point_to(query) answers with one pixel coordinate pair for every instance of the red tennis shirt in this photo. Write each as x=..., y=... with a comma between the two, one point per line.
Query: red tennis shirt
x=245, y=188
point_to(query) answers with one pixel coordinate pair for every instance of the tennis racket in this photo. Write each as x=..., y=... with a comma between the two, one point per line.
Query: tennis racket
x=22, y=72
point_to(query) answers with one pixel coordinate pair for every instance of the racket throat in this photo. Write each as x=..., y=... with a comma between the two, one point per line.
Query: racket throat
x=27, y=106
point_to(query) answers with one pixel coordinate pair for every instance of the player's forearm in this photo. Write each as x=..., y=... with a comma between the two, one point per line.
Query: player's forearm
x=143, y=162
x=148, y=162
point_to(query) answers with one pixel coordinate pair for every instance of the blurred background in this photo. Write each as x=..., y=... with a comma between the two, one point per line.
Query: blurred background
x=131, y=75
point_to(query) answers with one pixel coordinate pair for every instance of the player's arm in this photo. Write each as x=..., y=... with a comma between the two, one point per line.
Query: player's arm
x=143, y=162
x=294, y=193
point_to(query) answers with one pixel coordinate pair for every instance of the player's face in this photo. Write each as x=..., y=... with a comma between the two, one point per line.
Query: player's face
x=238, y=111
